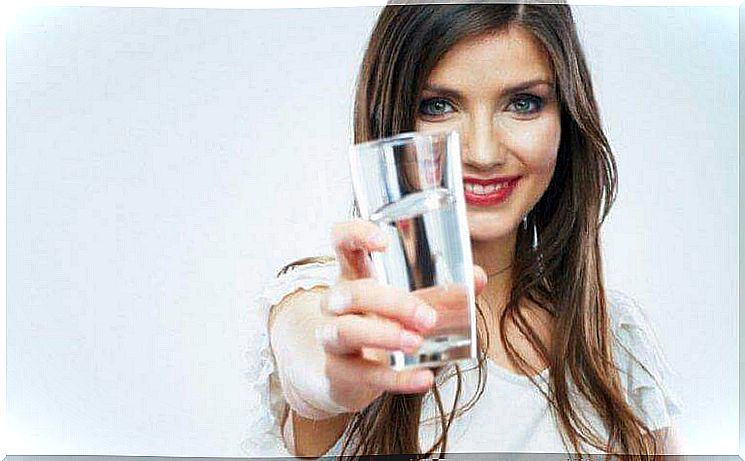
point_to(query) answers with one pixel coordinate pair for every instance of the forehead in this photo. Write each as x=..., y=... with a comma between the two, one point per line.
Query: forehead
x=490, y=61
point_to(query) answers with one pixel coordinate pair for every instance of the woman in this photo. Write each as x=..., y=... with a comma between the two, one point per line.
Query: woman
x=571, y=368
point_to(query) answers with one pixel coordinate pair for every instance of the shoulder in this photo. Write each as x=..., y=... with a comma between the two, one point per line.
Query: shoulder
x=629, y=323
x=643, y=368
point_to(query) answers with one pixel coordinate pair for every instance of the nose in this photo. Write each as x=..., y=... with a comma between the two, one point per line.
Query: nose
x=482, y=145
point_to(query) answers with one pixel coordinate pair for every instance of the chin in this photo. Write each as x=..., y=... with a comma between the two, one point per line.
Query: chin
x=487, y=231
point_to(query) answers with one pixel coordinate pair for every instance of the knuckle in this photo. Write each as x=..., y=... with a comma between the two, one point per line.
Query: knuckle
x=342, y=335
x=387, y=296
x=410, y=306
x=365, y=287
x=337, y=298
x=405, y=302
x=400, y=381
x=381, y=335
x=391, y=326
x=327, y=334
x=391, y=330
x=362, y=291
x=352, y=331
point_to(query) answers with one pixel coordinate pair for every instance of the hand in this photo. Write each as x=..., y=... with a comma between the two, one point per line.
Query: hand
x=362, y=314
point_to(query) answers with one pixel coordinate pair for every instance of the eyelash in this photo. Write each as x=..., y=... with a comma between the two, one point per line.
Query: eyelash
x=537, y=100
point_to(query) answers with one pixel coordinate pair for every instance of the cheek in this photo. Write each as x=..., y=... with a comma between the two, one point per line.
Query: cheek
x=536, y=145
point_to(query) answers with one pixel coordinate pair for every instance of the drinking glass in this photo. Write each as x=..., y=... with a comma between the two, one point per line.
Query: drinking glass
x=411, y=186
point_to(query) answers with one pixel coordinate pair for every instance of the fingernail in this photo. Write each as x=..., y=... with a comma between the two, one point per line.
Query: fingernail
x=377, y=239
x=327, y=333
x=425, y=316
x=339, y=299
x=422, y=380
x=410, y=340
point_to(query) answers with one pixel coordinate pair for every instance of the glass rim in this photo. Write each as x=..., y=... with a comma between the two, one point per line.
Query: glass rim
x=398, y=139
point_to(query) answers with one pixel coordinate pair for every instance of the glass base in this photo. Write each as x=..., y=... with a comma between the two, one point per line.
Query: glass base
x=435, y=351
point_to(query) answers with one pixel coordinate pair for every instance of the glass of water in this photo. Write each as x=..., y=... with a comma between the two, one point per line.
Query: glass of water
x=411, y=186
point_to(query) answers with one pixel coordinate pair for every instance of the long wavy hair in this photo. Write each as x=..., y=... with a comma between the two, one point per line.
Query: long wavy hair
x=564, y=278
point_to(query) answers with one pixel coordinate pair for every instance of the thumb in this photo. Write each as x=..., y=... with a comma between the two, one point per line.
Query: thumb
x=480, y=278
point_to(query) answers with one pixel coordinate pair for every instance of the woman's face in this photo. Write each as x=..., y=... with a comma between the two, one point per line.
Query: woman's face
x=498, y=91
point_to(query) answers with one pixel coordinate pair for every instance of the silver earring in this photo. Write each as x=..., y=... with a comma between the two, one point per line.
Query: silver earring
x=535, y=236
x=535, y=231
x=534, y=244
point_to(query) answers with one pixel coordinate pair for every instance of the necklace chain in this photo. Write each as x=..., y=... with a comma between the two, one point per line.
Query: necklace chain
x=492, y=274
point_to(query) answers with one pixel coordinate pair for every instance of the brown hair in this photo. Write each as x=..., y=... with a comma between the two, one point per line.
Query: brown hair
x=564, y=278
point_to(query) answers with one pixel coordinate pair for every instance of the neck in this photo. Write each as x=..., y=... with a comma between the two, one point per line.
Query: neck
x=496, y=257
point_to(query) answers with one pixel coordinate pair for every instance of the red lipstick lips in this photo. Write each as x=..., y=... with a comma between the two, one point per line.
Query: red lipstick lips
x=488, y=192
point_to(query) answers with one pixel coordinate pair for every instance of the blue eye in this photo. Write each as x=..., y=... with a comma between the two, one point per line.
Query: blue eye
x=526, y=104
x=434, y=107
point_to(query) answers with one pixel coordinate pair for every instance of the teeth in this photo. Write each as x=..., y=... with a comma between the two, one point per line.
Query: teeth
x=478, y=189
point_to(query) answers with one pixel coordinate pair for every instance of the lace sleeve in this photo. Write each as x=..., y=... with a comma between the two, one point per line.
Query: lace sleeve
x=644, y=370
x=267, y=406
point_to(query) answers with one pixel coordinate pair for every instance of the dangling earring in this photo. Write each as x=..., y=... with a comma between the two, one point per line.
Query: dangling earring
x=535, y=236
x=534, y=245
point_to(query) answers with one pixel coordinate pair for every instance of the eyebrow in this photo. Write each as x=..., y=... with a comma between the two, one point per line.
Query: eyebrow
x=509, y=90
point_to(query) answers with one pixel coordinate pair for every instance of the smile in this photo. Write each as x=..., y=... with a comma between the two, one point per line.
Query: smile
x=488, y=192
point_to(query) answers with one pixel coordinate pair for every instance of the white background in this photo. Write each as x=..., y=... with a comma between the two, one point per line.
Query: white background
x=163, y=163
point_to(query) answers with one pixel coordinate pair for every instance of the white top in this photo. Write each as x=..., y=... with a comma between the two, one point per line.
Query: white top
x=512, y=415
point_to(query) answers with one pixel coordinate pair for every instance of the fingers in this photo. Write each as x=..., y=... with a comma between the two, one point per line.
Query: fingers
x=367, y=296
x=349, y=372
x=352, y=241
x=348, y=334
